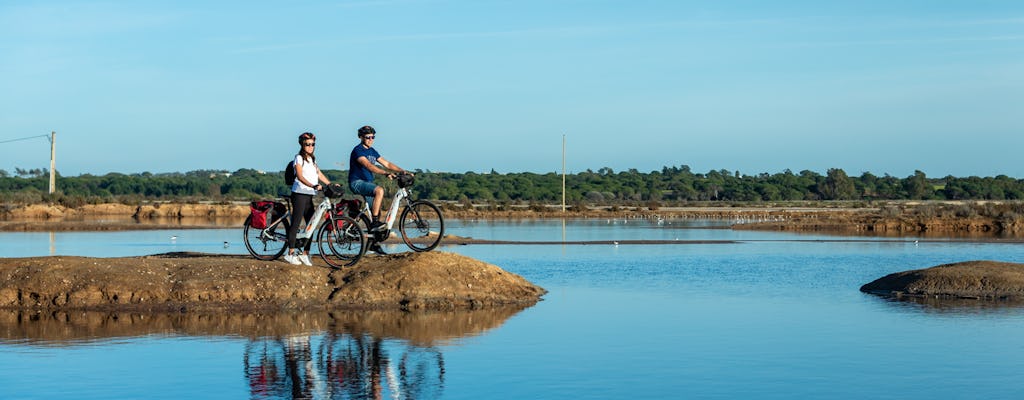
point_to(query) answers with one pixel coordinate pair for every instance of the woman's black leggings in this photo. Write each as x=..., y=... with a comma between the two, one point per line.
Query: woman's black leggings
x=302, y=208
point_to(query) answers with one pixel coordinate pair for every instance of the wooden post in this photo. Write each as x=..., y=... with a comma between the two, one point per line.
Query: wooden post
x=563, y=173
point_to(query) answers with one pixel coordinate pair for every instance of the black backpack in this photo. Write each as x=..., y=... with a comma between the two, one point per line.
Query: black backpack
x=289, y=173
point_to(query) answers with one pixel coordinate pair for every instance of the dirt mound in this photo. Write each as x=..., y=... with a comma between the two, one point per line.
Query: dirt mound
x=185, y=281
x=155, y=210
x=437, y=281
x=191, y=210
x=861, y=222
x=38, y=211
x=969, y=279
x=107, y=209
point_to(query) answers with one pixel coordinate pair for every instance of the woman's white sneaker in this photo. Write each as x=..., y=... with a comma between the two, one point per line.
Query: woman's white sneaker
x=292, y=259
x=304, y=258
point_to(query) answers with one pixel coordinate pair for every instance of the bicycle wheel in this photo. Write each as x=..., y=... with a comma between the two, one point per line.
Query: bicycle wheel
x=421, y=225
x=341, y=242
x=266, y=244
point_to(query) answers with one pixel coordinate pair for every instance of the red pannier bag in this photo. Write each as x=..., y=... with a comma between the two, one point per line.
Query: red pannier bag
x=259, y=210
x=349, y=207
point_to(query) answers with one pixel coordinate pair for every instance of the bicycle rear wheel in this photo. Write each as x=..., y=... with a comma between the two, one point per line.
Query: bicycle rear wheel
x=266, y=244
x=421, y=225
x=341, y=242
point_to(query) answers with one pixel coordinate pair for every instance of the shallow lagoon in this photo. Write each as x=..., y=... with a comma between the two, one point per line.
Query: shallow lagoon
x=769, y=316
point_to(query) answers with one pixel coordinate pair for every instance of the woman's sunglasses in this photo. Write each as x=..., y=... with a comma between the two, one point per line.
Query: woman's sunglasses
x=311, y=144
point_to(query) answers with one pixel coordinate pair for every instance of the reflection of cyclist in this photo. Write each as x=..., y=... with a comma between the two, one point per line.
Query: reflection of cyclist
x=307, y=182
x=344, y=365
x=363, y=163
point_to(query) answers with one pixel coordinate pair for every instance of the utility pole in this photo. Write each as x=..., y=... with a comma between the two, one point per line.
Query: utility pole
x=563, y=173
x=53, y=162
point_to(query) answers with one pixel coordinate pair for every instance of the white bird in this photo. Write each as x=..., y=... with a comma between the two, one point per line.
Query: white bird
x=226, y=245
x=616, y=243
x=174, y=237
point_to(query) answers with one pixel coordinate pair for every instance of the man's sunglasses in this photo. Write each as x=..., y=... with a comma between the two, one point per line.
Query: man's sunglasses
x=369, y=137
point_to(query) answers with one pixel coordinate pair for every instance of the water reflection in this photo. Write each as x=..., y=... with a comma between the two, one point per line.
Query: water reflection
x=946, y=305
x=342, y=365
x=344, y=354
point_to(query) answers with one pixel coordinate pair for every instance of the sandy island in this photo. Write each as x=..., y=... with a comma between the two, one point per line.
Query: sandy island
x=990, y=280
x=189, y=281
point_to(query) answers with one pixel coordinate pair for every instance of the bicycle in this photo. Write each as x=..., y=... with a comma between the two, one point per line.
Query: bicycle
x=340, y=240
x=421, y=223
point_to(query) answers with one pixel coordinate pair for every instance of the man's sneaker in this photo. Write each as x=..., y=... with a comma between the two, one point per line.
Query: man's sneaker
x=375, y=226
x=304, y=258
x=292, y=259
x=376, y=249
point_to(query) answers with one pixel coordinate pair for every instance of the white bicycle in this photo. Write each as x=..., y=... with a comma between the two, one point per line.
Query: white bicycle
x=339, y=238
x=420, y=224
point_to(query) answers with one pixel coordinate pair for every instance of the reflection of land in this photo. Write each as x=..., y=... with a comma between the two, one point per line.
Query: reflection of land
x=419, y=328
x=953, y=305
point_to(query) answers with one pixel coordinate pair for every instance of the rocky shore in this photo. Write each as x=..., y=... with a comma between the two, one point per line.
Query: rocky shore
x=200, y=282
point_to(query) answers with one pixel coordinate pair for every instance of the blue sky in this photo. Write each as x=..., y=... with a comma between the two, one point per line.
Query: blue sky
x=755, y=86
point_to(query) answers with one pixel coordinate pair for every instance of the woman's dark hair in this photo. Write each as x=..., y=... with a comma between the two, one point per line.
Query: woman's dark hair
x=366, y=130
x=302, y=149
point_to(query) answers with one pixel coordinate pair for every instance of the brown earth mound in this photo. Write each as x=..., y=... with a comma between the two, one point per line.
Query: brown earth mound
x=865, y=222
x=156, y=210
x=187, y=281
x=969, y=279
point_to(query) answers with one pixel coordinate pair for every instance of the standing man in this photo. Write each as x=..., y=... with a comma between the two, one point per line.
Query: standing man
x=363, y=163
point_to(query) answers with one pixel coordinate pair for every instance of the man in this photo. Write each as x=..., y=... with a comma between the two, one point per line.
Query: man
x=363, y=163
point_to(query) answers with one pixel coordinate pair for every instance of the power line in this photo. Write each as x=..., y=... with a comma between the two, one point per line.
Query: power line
x=25, y=138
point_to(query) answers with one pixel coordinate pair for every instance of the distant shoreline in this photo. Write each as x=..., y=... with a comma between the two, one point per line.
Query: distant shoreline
x=907, y=219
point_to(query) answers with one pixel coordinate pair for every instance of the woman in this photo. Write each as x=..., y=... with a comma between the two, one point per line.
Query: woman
x=307, y=183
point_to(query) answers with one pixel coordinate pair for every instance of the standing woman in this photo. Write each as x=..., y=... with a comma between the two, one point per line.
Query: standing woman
x=307, y=183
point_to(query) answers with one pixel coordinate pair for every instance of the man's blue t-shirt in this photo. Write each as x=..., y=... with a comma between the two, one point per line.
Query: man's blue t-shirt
x=356, y=171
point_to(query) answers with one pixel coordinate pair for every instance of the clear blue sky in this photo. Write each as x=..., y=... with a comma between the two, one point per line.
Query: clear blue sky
x=755, y=86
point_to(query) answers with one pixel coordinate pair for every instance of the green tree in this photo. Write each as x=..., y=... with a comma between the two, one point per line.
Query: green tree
x=837, y=186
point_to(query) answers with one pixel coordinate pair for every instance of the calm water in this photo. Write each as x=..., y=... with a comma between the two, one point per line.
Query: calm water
x=769, y=316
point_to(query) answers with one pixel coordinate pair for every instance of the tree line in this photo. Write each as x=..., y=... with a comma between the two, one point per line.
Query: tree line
x=669, y=186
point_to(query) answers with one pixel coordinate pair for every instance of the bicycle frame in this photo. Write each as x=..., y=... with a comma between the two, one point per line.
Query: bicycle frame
x=318, y=218
x=303, y=234
x=396, y=202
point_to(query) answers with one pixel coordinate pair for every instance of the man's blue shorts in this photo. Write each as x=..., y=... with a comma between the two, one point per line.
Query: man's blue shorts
x=361, y=187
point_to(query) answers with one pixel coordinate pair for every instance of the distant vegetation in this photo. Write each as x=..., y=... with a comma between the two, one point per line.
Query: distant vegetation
x=667, y=187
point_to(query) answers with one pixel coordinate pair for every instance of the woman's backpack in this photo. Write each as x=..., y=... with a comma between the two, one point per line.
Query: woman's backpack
x=289, y=173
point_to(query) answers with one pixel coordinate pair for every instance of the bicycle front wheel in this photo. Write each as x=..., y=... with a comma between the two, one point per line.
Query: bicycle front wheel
x=341, y=242
x=266, y=244
x=421, y=225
